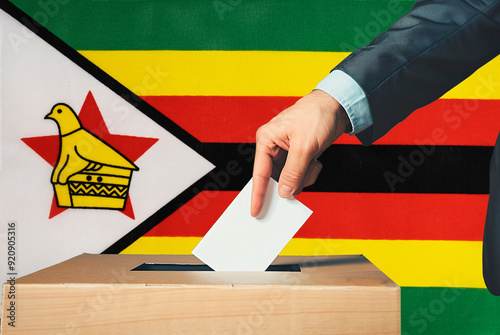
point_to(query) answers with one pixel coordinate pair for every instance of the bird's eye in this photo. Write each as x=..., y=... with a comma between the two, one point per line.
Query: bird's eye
x=59, y=110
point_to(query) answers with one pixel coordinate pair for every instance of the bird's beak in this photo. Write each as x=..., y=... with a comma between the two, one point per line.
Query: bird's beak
x=48, y=116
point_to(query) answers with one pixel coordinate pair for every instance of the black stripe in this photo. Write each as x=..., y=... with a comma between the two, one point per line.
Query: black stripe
x=354, y=168
x=347, y=168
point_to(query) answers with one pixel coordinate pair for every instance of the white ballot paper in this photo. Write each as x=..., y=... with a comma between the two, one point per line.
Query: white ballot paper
x=240, y=242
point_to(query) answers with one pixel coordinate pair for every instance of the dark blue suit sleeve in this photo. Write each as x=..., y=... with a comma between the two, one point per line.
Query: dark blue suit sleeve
x=423, y=55
x=491, y=238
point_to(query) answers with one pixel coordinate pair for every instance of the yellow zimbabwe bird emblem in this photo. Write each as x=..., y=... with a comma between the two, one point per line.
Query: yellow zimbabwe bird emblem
x=89, y=173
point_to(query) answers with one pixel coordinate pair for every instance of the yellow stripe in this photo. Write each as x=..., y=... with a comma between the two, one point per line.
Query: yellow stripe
x=233, y=73
x=152, y=245
x=248, y=73
x=408, y=263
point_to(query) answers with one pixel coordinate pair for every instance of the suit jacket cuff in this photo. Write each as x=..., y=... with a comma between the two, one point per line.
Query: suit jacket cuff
x=351, y=96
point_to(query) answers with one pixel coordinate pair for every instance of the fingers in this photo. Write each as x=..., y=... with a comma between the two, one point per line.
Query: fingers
x=261, y=177
x=278, y=164
x=312, y=173
x=292, y=140
x=259, y=187
x=263, y=167
x=294, y=172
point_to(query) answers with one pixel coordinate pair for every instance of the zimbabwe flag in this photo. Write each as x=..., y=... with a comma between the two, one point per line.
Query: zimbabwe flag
x=414, y=203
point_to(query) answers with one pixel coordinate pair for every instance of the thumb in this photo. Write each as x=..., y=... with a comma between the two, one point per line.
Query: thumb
x=293, y=174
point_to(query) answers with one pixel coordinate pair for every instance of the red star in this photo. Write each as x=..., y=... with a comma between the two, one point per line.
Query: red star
x=131, y=147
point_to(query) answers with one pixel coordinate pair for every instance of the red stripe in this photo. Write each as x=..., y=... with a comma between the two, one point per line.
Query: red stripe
x=219, y=118
x=353, y=216
x=235, y=119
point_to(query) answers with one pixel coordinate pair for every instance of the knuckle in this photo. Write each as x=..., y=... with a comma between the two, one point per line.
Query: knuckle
x=291, y=175
x=305, y=148
x=262, y=132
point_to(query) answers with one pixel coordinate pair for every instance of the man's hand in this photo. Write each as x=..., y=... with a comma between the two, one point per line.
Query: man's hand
x=289, y=144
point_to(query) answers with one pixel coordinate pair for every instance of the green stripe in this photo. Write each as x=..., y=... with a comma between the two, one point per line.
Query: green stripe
x=452, y=311
x=323, y=25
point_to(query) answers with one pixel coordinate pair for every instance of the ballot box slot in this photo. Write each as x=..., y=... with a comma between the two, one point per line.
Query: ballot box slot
x=204, y=267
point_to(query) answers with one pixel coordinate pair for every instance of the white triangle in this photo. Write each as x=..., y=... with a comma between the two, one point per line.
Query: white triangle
x=35, y=76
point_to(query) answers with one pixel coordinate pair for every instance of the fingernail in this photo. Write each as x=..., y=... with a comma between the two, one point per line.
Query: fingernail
x=285, y=191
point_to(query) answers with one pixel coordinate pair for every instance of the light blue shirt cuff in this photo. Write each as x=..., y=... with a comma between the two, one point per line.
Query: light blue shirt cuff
x=351, y=96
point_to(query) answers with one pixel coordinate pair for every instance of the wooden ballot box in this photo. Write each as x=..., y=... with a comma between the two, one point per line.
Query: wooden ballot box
x=165, y=294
